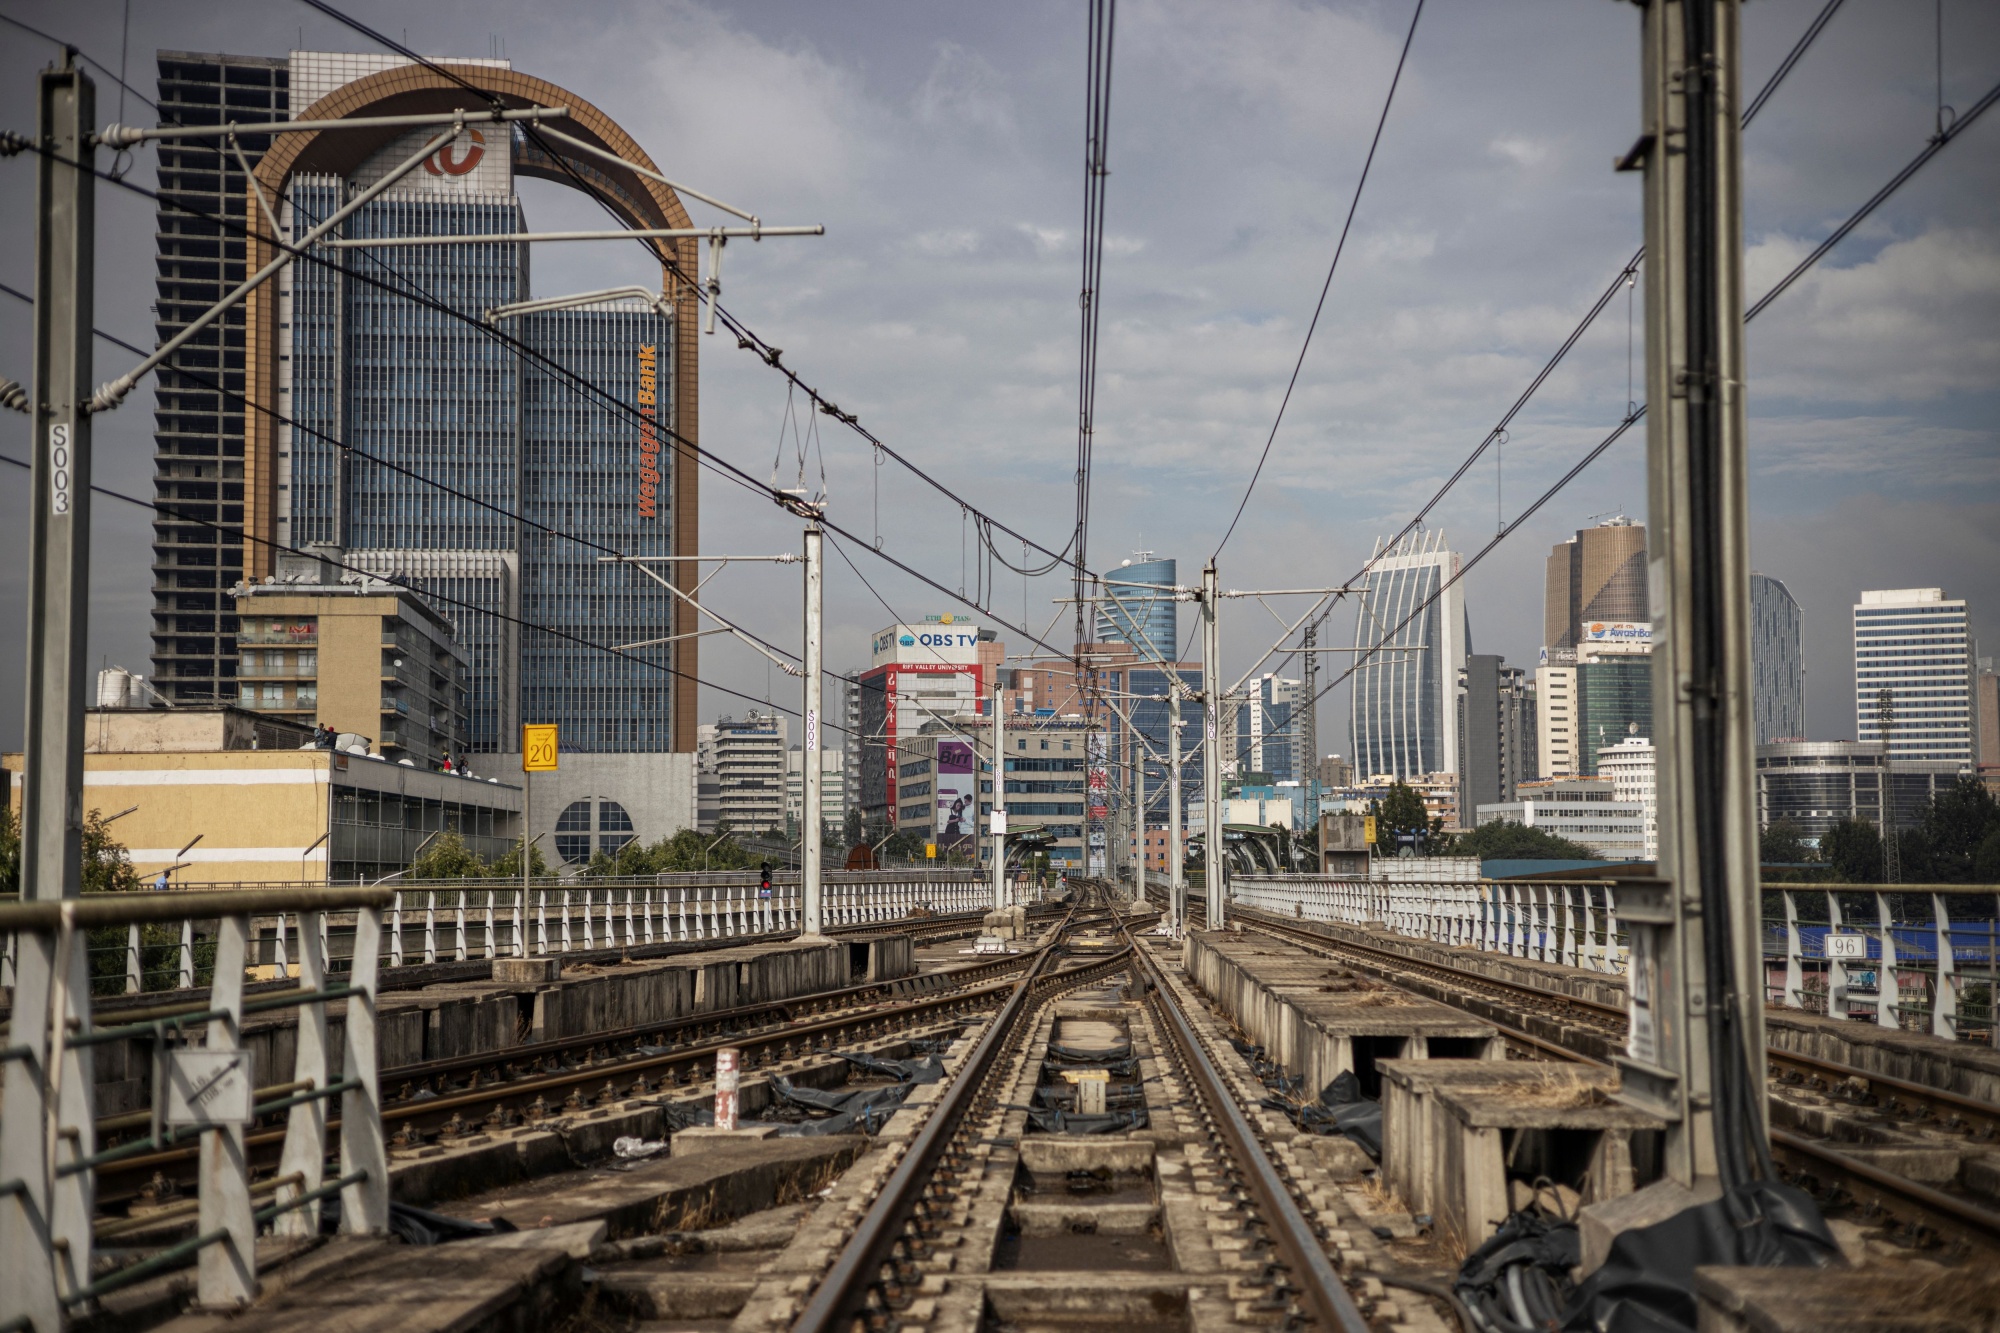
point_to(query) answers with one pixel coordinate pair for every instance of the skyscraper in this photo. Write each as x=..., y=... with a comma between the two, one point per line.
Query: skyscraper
x=1912, y=660
x=1597, y=575
x=1404, y=716
x=199, y=422
x=1777, y=661
x=1266, y=727
x=1140, y=615
x=1497, y=732
x=395, y=414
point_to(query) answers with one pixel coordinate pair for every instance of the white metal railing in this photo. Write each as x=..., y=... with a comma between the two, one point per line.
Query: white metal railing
x=1571, y=922
x=201, y=1094
x=459, y=923
x=1919, y=957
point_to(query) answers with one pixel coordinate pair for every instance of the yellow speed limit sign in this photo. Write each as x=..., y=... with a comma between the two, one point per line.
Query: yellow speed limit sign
x=538, y=748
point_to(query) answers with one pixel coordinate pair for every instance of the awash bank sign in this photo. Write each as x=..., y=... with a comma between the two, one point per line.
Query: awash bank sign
x=1616, y=631
x=942, y=640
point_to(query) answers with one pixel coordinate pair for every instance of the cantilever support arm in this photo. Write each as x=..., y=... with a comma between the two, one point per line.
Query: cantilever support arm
x=114, y=393
x=734, y=629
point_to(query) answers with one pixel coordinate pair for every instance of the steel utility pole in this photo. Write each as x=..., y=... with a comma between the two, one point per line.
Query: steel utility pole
x=1138, y=817
x=1307, y=732
x=1695, y=1051
x=1211, y=754
x=813, y=835
x=45, y=1213
x=998, y=817
x=1176, y=871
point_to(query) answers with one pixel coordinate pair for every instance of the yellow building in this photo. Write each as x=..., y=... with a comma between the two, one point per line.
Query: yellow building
x=260, y=804
x=361, y=656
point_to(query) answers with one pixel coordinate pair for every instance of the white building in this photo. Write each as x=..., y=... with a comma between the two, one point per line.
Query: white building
x=1556, y=721
x=1629, y=765
x=1583, y=810
x=832, y=790
x=1911, y=654
x=750, y=772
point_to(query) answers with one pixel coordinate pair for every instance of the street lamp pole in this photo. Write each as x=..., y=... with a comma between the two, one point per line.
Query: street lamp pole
x=811, y=837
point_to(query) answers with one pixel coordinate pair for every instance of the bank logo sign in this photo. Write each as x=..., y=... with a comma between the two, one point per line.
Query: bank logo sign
x=1617, y=631
x=940, y=640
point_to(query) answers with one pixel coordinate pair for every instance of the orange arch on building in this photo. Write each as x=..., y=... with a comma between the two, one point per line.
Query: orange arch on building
x=638, y=201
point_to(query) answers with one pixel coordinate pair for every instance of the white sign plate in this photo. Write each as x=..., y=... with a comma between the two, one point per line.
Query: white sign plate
x=208, y=1088
x=1846, y=946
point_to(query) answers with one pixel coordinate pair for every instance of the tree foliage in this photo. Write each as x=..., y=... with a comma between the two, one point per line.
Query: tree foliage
x=1784, y=843
x=1400, y=814
x=689, y=849
x=1852, y=852
x=1506, y=840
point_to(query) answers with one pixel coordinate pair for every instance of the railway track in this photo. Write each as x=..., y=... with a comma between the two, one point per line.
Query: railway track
x=542, y=1083
x=1914, y=1213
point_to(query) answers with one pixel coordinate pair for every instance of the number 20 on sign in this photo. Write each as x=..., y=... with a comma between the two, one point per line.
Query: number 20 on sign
x=538, y=748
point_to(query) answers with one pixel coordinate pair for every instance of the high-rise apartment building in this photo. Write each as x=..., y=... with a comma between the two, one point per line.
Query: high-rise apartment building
x=1404, y=719
x=1777, y=661
x=1597, y=575
x=832, y=791
x=918, y=674
x=1986, y=711
x=1913, y=674
x=750, y=772
x=1139, y=607
x=1498, y=736
x=1266, y=729
x=394, y=407
x=1558, y=726
x=198, y=426
x=1630, y=764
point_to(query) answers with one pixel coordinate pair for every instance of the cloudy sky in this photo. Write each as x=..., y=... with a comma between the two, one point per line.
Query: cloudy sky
x=942, y=147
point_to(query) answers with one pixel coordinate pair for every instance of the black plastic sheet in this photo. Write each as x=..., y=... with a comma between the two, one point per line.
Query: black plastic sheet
x=1054, y=1121
x=923, y=1069
x=1646, y=1284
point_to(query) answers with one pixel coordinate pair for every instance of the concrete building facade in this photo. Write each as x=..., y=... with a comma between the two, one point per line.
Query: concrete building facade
x=1585, y=810
x=750, y=771
x=1597, y=575
x=267, y=806
x=1913, y=657
x=1630, y=764
x=356, y=654
x=1498, y=732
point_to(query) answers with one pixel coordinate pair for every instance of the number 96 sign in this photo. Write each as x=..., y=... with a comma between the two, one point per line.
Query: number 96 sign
x=538, y=748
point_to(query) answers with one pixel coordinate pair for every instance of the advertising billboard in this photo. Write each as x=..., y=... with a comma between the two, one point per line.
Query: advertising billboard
x=1616, y=631
x=957, y=791
x=947, y=639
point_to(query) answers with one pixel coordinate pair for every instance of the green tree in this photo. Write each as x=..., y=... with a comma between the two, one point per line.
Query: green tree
x=1783, y=843
x=1506, y=840
x=689, y=849
x=1951, y=834
x=10, y=852
x=509, y=865
x=1398, y=814
x=447, y=857
x=1852, y=849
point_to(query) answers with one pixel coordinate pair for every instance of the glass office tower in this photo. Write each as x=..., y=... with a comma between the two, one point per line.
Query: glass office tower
x=400, y=376
x=1404, y=704
x=1144, y=615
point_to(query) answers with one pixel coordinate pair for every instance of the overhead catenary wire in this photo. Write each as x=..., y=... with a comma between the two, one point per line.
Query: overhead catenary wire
x=1783, y=284
x=706, y=457
x=1625, y=278
x=1339, y=246
x=746, y=338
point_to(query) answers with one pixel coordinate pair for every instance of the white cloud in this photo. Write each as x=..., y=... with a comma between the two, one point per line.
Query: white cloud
x=1518, y=149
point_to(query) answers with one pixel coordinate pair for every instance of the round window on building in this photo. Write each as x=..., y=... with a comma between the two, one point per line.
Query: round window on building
x=587, y=827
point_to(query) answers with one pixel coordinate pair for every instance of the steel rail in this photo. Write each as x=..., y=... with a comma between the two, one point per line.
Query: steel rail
x=1870, y=1185
x=844, y=1288
x=1983, y=1116
x=437, y=1113
x=1297, y=1241
x=1866, y=1183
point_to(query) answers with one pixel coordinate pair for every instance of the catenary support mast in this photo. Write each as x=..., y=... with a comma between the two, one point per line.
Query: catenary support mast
x=1697, y=1031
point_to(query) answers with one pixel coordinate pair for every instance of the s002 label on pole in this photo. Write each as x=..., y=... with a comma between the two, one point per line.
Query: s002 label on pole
x=538, y=748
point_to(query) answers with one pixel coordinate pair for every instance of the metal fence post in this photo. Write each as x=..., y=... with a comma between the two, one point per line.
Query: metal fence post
x=135, y=976
x=1944, y=998
x=226, y=1272
x=187, y=955
x=396, y=931
x=1795, y=980
x=1888, y=991
x=30, y=1292
x=364, y=1205
x=1836, y=980
x=304, y=1153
